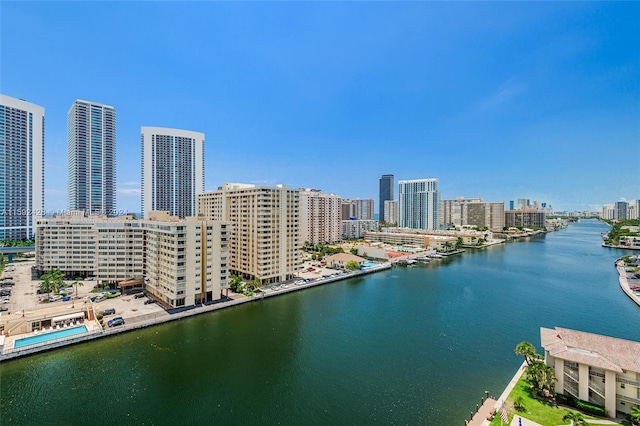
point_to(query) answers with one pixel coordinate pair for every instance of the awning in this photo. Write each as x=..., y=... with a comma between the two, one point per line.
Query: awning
x=68, y=317
x=131, y=283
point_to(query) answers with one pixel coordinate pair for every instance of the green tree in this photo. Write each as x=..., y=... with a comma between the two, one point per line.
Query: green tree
x=519, y=403
x=528, y=351
x=234, y=282
x=634, y=414
x=459, y=243
x=541, y=377
x=77, y=282
x=577, y=419
x=352, y=265
x=52, y=280
x=353, y=251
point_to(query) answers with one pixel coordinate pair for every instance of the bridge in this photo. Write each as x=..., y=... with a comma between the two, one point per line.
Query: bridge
x=13, y=250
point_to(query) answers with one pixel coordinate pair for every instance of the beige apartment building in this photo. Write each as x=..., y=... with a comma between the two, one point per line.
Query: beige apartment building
x=525, y=218
x=595, y=368
x=320, y=216
x=264, y=241
x=180, y=261
x=473, y=212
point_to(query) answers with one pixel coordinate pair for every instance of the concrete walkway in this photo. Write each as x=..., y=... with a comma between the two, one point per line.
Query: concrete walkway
x=521, y=421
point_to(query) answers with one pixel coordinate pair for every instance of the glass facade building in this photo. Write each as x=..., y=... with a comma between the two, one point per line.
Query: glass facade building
x=21, y=167
x=91, y=136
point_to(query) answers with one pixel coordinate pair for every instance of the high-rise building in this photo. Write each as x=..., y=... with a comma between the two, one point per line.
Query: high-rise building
x=620, y=210
x=527, y=218
x=172, y=170
x=21, y=167
x=363, y=208
x=511, y=205
x=91, y=145
x=418, y=204
x=348, y=210
x=523, y=203
x=634, y=209
x=391, y=211
x=320, y=217
x=386, y=194
x=265, y=237
x=451, y=210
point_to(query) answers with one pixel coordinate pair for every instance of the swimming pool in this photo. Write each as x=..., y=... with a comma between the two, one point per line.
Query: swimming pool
x=53, y=335
x=369, y=265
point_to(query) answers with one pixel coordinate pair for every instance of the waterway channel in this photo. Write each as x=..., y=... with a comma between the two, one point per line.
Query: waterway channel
x=412, y=345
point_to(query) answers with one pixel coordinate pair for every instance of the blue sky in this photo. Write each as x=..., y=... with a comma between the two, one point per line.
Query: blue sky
x=498, y=100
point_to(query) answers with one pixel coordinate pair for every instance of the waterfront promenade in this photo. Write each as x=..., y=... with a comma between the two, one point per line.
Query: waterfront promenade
x=150, y=319
x=624, y=281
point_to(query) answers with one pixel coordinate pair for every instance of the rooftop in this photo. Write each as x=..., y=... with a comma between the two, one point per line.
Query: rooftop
x=595, y=350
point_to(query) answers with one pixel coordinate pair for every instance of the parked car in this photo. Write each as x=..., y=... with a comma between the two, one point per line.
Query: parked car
x=3, y=309
x=116, y=321
x=149, y=301
x=90, y=278
x=66, y=298
x=139, y=295
x=109, y=311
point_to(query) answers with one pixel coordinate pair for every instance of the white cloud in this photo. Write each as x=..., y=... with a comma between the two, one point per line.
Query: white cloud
x=507, y=91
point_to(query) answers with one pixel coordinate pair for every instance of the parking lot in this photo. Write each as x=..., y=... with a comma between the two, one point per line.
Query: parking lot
x=24, y=297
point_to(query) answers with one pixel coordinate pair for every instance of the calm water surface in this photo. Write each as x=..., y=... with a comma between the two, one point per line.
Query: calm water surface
x=416, y=345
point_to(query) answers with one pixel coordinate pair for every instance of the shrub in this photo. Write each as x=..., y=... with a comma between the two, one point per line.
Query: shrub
x=99, y=317
x=590, y=408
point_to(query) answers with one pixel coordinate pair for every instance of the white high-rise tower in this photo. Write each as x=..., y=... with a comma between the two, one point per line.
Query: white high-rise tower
x=91, y=135
x=172, y=170
x=21, y=167
x=418, y=204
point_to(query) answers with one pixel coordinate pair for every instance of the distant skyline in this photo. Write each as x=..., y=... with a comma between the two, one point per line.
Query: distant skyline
x=497, y=100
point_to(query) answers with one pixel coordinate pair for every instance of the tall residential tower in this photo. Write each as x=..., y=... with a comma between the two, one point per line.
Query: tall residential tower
x=91, y=136
x=21, y=167
x=418, y=204
x=386, y=194
x=172, y=170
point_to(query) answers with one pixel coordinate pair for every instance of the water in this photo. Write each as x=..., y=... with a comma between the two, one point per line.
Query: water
x=416, y=345
x=53, y=335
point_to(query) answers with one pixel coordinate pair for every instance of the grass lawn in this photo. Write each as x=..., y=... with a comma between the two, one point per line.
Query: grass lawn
x=538, y=411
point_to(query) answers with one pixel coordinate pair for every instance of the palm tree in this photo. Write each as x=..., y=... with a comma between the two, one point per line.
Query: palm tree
x=527, y=350
x=576, y=418
x=77, y=282
x=52, y=280
x=634, y=414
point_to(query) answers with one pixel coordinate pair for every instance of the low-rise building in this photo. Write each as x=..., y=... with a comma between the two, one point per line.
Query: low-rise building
x=527, y=218
x=340, y=260
x=355, y=229
x=600, y=369
x=181, y=261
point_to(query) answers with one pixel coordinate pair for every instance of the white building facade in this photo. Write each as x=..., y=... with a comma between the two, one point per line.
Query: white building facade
x=355, y=229
x=91, y=154
x=419, y=204
x=600, y=369
x=21, y=167
x=391, y=211
x=172, y=170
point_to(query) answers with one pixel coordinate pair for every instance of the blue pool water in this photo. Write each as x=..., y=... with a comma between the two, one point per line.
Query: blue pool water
x=369, y=264
x=45, y=337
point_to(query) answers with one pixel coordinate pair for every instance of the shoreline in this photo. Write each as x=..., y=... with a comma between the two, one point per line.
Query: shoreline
x=11, y=354
x=624, y=283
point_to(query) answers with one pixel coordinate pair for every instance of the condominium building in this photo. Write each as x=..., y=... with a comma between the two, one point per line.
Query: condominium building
x=386, y=194
x=320, y=217
x=620, y=210
x=600, y=369
x=634, y=209
x=608, y=212
x=451, y=213
x=363, y=208
x=21, y=167
x=525, y=218
x=265, y=239
x=91, y=148
x=418, y=204
x=484, y=215
x=348, y=210
x=355, y=229
x=172, y=170
x=181, y=261
x=391, y=211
